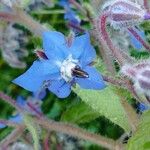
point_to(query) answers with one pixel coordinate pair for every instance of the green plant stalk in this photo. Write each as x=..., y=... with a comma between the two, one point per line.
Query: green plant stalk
x=19, y=16
x=12, y=137
x=79, y=133
x=65, y=128
x=31, y=126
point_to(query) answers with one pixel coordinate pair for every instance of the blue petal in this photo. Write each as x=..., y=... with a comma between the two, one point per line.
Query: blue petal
x=94, y=81
x=60, y=88
x=71, y=16
x=16, y=119
x=21, y=101
x=34, y=77
x=40, y=94
x=2, y=125
x=64, y=3
x=54, y=45
x=83, y=50
x=143, y=107
x=135, y=43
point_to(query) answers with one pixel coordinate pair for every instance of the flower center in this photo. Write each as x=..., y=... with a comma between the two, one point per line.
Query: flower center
x=66, y=68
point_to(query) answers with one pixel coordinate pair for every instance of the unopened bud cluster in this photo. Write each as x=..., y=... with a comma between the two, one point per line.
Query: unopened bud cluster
x=140, y=75
x=125, y=13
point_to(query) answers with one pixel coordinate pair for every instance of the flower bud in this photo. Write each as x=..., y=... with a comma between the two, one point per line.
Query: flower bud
x=140, y=75
x=40, y=54
x=125, y=14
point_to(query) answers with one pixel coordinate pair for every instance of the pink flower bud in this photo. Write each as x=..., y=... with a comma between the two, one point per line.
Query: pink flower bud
x=125, y=13
x=40, y=54
x=140, y=75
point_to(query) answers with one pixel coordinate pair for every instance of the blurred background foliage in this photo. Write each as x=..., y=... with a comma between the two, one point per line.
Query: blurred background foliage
x=71, y=109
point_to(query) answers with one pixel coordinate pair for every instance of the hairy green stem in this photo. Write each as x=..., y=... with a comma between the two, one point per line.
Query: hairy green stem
x=116, y=82
x=78, y=6
x=108, y=60
x=131, y=88
x=68, y=129
x=12, y=137
x=103, y=36
x=131, y=115
x=9, y=123
x=19, y=16
x=105, y=55
x=10, y=101
x=79, y=133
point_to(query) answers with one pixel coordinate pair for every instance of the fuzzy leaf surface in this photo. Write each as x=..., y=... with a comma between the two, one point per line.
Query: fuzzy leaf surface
x=141, y=139
x=106, y=103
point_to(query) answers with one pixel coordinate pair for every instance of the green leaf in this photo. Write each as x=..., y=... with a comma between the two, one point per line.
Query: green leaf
x=106, y=103
x=25, y=3
x=79, y=113
x=123, y=92
x=141, y=139
x=54, y=111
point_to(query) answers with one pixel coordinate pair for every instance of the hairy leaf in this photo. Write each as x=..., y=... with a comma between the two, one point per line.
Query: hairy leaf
x=141, y=139
x=79, y=113
x=106, y=103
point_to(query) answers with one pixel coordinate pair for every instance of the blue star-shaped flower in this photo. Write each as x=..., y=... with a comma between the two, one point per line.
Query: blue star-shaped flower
x=62, y=66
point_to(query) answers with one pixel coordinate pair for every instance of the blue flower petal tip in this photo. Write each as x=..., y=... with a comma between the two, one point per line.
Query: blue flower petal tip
x=2, y=125
x=65, y=66
x=70, y=15
x=16, y=119
x=135, y=43
x=143, y=107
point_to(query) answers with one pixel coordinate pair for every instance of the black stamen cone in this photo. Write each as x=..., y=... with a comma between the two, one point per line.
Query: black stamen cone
x=79, y=73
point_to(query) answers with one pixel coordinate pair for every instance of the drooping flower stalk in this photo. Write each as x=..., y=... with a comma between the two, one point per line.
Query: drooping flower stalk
x=104, y=38
x=121, y=14
x=129, y=17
